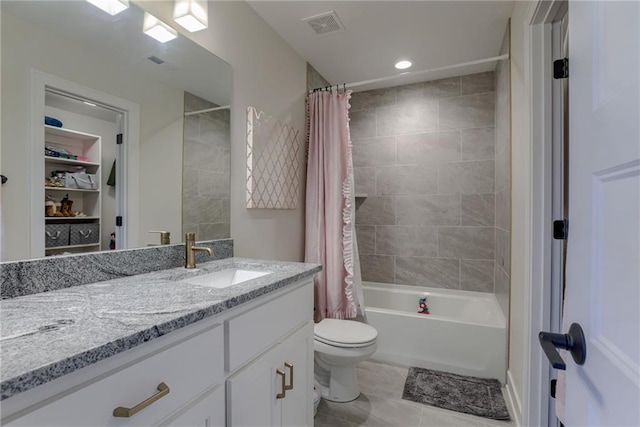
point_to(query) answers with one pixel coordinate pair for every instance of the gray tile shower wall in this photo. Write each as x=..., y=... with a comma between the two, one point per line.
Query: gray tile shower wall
x=424, y=156
x=206, y=171
x=502, y=264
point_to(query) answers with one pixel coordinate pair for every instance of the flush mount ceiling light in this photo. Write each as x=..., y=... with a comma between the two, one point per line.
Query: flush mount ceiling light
x=112, y=7
x=191, y=14
x=157, y=29
x=403, y=65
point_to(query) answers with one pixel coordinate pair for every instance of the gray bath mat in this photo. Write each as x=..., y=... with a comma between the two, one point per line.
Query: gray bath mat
x=469, y=395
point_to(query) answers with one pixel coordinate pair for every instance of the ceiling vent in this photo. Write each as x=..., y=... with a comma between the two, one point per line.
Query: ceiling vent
x=155, y=60
x=325, y=23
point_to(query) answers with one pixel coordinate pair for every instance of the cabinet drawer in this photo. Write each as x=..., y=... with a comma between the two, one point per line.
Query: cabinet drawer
x=208, y=411
x=251, y=333
x=188, y=368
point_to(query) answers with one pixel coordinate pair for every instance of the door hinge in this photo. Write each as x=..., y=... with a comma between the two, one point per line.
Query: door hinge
x=561, y=229
x=119, y=221
x=552, y=388
x=561, y=68
x=119, y=139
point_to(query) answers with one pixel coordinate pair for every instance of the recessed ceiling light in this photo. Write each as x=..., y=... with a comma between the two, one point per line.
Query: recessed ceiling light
x=153, y=27
x=191, y=14
x=90, y=103
x=112, y=7
x=403, y=65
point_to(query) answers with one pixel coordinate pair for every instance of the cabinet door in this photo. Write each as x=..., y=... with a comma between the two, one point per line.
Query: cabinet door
x=206, y=412
x=297, y=349
x=251, y=393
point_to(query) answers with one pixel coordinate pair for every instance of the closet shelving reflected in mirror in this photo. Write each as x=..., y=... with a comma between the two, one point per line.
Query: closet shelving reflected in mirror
x=73, y=172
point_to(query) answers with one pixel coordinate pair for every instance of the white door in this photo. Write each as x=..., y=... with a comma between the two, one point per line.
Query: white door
x=603, y=264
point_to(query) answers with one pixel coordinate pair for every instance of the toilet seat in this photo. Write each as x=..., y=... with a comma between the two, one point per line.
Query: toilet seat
x=344, y=333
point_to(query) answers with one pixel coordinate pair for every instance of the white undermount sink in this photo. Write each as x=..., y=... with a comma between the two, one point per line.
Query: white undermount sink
x=225, y=278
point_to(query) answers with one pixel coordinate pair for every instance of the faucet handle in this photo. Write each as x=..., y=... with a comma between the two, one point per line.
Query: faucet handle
x=165, y=237
x=190, y=236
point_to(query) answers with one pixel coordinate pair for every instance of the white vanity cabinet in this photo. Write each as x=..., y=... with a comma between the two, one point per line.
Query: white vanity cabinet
x=189, y=368
x=274, y=389
x=275, y=386
x=221, y=371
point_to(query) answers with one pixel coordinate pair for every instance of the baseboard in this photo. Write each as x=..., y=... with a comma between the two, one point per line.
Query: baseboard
x=513, y=401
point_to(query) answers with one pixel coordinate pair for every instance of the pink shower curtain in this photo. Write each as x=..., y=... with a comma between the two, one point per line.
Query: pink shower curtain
x=330, y=206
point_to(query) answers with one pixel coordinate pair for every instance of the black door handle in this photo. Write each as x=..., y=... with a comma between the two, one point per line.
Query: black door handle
x=573, y=341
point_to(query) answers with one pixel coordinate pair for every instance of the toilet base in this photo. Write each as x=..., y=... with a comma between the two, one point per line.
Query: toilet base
x=343, y=385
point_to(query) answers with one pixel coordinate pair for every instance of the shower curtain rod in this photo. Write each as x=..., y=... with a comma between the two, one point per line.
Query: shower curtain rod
x=207, y=110
x=413, y=73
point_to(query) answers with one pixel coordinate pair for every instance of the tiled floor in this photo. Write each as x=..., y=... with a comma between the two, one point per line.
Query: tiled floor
x=380, y=404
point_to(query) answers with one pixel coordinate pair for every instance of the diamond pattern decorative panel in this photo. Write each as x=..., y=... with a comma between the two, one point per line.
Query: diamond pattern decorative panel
x=272, y=162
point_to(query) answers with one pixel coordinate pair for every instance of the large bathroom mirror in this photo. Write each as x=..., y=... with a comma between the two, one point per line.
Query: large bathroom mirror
x=71, y=186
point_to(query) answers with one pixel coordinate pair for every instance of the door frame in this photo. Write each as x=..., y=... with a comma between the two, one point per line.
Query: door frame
x=128, y=172
x=545, y=299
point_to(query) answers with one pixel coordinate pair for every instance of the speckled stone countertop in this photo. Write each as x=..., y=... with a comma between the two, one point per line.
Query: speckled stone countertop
x=47, y=335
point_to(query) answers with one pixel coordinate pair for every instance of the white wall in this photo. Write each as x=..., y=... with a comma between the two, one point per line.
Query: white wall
x=521, y=206
x=270, y=75
x=25, y=47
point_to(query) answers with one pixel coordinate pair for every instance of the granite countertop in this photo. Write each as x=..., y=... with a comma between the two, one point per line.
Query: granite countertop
x=47, y=335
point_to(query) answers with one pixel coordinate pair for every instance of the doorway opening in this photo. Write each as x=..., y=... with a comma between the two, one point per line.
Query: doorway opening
x=81, y=154
x=549, y=133
x=85, y=154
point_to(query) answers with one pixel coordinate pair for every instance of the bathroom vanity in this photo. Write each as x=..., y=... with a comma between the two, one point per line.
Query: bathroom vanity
x=174, y=347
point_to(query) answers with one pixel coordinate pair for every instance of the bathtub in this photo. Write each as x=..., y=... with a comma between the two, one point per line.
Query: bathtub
x=464, y=334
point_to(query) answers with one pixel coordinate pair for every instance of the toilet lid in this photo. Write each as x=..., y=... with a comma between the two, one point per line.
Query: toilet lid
x=347, y=332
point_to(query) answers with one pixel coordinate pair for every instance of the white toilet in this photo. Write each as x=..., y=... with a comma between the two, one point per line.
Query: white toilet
x=338, y=346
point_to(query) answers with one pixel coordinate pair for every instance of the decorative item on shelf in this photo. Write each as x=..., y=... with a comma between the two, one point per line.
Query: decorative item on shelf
x=52, y=121
x=51, y=151
x=66, y=206
x=422, y=303
x=112, y=242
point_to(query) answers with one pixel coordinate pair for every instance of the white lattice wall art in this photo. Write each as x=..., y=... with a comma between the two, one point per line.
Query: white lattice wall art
x=272, y=162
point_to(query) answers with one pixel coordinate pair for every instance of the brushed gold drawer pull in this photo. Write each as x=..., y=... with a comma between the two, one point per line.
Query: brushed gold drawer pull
x=121, y=411
x=290, y=366
x=284, y=387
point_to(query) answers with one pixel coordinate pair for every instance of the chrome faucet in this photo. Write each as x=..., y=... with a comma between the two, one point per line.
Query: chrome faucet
x=190, y=250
